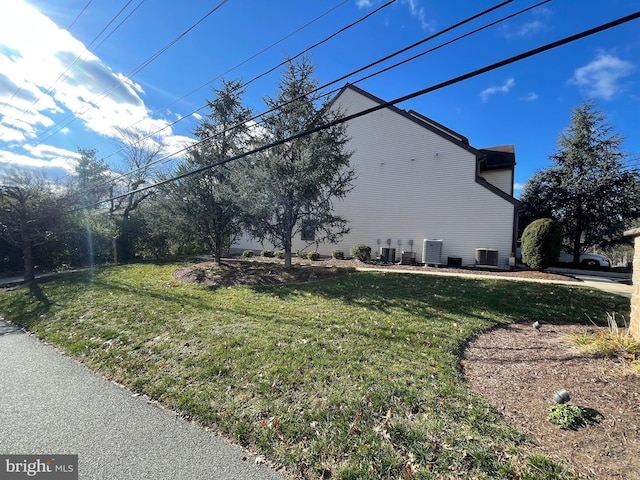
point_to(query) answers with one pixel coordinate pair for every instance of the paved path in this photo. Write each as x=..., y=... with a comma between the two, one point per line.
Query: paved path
x=49, y=404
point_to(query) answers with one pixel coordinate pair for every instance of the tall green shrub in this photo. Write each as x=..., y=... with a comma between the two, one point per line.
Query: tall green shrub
x=541, y=243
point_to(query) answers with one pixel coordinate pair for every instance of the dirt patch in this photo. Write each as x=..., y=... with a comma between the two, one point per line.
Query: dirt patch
x=258, y=272
x=270, y=271
x=517, y=369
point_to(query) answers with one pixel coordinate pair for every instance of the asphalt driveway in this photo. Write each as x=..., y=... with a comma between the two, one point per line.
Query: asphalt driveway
x=49, y=404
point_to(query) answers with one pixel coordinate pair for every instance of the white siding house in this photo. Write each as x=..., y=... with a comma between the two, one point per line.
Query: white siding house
x=417, y=180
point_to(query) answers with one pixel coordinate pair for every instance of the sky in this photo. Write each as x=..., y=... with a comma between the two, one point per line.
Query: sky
x=74, y=73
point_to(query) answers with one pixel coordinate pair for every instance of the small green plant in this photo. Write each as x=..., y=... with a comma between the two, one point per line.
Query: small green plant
x=572, y=417
x=267, y=253
x=541, y=243
x=313, y=256
x=361, y=252
x=338, y=254
x=248, y=253
x=279, y=254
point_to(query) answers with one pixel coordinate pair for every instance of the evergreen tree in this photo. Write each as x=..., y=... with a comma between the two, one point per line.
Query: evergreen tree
x=206, y=202
x=289, y=189
x=588, y=189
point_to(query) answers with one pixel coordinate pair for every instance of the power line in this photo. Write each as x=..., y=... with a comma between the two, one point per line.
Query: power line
x=426, y=39
x=266, y=72
x=76, y=59
x=255, y=117
x=231, y=69
x=418, y=93
x=135, y=71
x=208, y=82
x=63, y=74
x=79, y=15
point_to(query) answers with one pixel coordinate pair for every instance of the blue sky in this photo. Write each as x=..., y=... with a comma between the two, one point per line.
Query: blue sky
x=64, y=84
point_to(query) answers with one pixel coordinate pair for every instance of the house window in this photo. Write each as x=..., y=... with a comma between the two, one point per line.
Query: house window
x=308, y=233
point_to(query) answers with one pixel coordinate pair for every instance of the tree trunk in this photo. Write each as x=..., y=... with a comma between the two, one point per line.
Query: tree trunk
x=287, y=257
x=29, y=269
x=576, y=247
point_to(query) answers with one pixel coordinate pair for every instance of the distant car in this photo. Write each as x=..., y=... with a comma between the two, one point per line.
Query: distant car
x=588, y=259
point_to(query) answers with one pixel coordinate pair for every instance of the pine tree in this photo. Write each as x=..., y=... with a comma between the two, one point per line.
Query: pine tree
x=588, y=189
x=290, y=189
x=206, y=201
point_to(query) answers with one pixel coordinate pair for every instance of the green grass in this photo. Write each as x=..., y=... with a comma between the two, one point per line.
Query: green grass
x=356, y=377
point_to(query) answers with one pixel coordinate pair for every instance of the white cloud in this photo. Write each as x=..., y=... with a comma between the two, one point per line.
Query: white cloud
x=508, y=84
x=42, y=98
x=418, y=12
x=415, y=9
x=601, y=78
x=525, y=30
x=43, y=156
x=517, y=187
x=529, y=97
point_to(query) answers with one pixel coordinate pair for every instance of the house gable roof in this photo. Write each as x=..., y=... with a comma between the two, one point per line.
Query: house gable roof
x=417, y=118
x=488, y=159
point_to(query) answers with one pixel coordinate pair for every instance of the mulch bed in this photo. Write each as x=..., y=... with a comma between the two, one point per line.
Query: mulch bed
x=518, y=369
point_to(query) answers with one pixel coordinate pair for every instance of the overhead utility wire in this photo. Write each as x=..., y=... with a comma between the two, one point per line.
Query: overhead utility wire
x=442, y=45
x=135, y=71
x=263, y=73
x=255, y=55
x=426, y=39
x=215, y=78
x=50, y=89
x=79, y=15
x=418, y=93
x=119, y=25
x=63, y=74
x=469, y=19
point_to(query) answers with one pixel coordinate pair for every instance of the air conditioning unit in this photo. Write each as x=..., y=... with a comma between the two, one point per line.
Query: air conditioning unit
x=387, y=255
x=487, y=256
x=408, y=258
x=431, y=252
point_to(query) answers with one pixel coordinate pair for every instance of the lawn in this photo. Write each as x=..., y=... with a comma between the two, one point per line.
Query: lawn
x=354, y=377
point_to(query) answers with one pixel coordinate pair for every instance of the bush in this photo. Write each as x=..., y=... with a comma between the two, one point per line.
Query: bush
x=338, y=254
x=279, y=254
x=313, y=256
x=302, y=254
x=267, y=253
x=247, y=253
x=361, y=252
x=541, y=243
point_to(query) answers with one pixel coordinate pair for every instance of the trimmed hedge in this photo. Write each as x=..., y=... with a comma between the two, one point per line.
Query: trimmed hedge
x=541, y=243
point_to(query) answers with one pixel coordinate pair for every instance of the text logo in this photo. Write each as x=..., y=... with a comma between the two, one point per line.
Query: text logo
x=46, y=467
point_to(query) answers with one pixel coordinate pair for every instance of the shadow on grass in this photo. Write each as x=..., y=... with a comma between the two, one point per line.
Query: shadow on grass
x=514, y=301
x=443, y=300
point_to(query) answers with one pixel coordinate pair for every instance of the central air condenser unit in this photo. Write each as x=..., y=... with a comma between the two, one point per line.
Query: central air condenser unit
x=387, y=255
x=431, y=252
x=487, y=256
